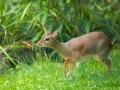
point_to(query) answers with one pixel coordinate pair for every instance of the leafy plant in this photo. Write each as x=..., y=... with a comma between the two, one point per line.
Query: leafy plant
x=24, y=19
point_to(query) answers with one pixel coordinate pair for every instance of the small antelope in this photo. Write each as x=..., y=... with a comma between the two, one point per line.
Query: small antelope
x=94, y=43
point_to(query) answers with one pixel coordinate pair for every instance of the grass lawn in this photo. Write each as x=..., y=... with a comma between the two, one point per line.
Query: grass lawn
x=47, y=75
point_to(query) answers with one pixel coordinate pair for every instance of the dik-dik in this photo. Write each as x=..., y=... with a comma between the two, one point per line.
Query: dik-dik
x=92, y=44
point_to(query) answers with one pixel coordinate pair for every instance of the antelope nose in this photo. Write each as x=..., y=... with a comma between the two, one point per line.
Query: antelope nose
x=37, y=44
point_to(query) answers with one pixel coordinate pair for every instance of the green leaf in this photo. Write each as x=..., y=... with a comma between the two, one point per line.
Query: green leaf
x=2, y=7
x=53, y=13
x=87, y=26
x=13, y=23
x=67, y=27
x=44, y=17
x=25, y=11
x=68, y=1
x=99, y=7
x=9, y=3
x=61, y=24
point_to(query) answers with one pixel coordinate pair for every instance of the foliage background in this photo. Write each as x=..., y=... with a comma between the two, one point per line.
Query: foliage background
x=24, y=20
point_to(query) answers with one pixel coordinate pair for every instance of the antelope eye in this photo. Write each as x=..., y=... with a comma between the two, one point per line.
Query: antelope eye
x=46, y=40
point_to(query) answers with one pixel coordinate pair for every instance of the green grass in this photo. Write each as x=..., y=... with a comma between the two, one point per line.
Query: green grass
x=46, y=75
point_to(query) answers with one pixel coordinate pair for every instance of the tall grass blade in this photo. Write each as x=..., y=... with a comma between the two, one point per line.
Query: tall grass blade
x=9, y=3
x=44, y=17
x=1, y=48
x=25, y=11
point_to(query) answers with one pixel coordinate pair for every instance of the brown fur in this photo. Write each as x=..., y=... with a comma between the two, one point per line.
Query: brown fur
x=94, y=43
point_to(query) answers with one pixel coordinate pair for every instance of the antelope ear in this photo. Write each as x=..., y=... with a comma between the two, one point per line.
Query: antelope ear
x=55, y=33
x=45, y=30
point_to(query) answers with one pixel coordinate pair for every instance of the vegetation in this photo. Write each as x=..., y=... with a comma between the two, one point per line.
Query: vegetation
x=24, y=20
x=47, y=75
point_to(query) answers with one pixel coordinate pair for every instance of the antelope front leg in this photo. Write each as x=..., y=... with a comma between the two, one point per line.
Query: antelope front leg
x=64, y=68
x=70, y=67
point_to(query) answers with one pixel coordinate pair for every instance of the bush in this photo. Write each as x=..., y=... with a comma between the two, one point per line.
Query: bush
x=25, y=19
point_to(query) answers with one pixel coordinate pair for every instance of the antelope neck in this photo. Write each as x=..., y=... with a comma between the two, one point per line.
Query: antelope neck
x=60, y=48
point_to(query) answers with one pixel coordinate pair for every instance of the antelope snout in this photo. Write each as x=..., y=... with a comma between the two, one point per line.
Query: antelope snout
x=38, y=44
